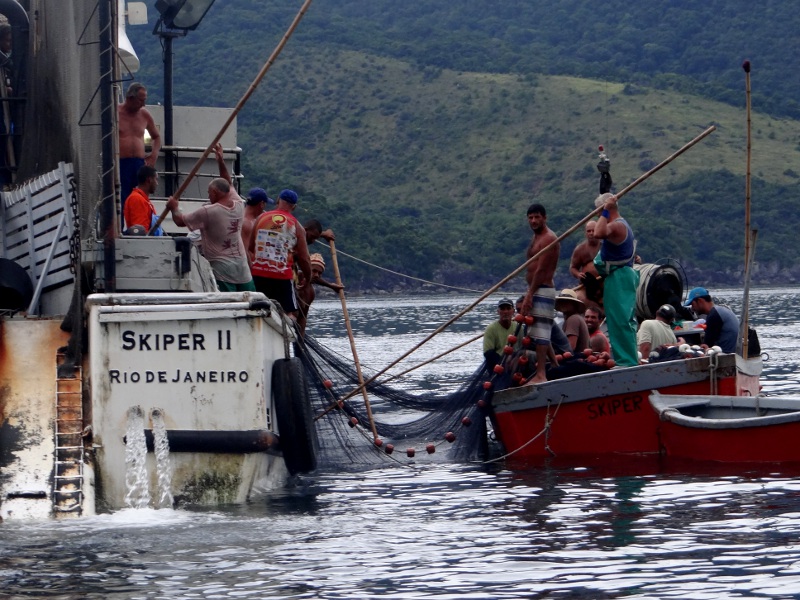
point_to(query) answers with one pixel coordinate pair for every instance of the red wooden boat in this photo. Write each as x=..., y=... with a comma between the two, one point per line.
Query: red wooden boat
x=735, y=429
x=606, y=412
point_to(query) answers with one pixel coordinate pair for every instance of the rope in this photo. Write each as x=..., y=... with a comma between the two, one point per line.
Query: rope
x=548, y=422
x=380, y=268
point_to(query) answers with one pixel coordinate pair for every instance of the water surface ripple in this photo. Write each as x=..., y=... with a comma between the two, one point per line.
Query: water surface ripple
x=613, y=529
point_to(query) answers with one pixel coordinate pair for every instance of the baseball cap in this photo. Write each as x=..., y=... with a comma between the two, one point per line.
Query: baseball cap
x=288, y=196
x=257, y=195
x=694, y=294
x=505, y=302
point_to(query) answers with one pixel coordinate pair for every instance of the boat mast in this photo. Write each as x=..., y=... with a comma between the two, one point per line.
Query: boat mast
x=744, y=328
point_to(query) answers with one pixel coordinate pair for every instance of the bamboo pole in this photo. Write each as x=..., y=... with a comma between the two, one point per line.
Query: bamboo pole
x=237, y=108
x=747, y=233
x=362, y=385
x=524, y=265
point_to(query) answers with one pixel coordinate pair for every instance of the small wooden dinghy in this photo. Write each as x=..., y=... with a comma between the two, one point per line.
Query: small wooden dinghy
x=746, y=429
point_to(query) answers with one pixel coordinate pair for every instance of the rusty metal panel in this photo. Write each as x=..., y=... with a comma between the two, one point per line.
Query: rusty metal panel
x=27, y=415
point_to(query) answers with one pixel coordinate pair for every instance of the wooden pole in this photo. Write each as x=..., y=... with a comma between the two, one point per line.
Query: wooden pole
x=236, y=110
x=362, y=385
x=524, y=265
x=747, y=233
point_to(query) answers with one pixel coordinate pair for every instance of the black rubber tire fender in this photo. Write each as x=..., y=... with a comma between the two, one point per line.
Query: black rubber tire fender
x=298, y=436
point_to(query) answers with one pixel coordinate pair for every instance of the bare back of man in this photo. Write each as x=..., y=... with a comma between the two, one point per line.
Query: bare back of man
x=582, y=268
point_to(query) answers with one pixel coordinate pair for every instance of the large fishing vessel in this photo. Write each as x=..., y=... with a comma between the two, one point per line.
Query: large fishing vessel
x=116, y=349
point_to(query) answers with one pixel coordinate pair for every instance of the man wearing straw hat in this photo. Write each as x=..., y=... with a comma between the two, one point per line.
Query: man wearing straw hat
x=306, y=293
x=615, y=263
x=574, y=326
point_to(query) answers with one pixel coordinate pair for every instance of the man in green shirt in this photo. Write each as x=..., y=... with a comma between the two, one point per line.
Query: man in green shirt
x=495, y=338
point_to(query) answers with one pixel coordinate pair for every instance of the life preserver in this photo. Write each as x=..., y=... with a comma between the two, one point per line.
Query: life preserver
x=298, y=437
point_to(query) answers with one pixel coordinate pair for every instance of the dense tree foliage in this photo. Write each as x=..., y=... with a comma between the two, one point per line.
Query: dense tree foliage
x=422, y=130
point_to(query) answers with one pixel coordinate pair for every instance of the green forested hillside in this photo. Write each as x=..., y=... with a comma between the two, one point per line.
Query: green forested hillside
x=421, y=131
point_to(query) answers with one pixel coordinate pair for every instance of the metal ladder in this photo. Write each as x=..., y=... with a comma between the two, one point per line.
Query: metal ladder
x=68, y=475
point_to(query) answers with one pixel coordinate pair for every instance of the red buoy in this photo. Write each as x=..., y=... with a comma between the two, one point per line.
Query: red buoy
x=389, y=448
x=517, y=377
x=508, y=350
x=487, y=385
x=328, y=384
x=340, y=404
x=499, y=369
x=378, y=442
x=523, y=360
x=450, y=436
x=466, y=421
x=526, y=341
x=519, y=318
x=529, y=320
x=481, y=403
x=410, y=452
x=353, y=422
x=430, y=448
x=512, y=339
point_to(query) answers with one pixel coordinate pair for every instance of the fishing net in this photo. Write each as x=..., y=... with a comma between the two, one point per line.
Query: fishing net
x=402, y=419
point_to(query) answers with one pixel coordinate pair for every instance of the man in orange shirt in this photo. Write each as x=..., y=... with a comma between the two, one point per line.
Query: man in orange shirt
x=138, y=208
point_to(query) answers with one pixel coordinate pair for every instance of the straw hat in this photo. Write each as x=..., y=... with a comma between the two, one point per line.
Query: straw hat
x=569, y=295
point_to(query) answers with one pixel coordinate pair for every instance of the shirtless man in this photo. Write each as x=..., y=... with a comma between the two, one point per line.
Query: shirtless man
x=133, y=120
x=254, y=206
x=306, y=293
x=540, y=300
x=581, y=267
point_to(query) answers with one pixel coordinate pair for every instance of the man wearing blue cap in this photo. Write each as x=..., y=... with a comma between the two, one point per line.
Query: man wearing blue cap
x=254, y=205
x=277, y=242
x=722, y=325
